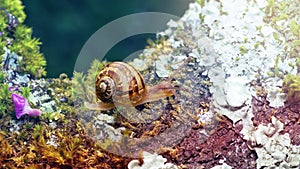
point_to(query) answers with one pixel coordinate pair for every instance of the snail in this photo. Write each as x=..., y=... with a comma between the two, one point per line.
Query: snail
x=119, y=83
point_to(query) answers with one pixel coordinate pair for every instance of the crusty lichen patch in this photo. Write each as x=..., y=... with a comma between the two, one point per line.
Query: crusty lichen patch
x=273, y=148
x=151, y=161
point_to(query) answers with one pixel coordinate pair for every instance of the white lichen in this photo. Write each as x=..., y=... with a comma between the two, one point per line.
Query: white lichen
x=244, y=52
x=223, y=166
x=273, y=149
x=104, y=118
x=10, y=62
x=276, y=97
x=104, y=129
x=236, y=91
x=161, y=66
x=52, y=141
x=237, y=47
x=151, y=161
x=39, y=96
x=15, y=126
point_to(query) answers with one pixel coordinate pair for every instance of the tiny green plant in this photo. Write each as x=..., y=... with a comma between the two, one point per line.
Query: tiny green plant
x=291, y=86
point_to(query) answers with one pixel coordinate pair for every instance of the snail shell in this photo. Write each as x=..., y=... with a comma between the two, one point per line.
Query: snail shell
x=120, y=82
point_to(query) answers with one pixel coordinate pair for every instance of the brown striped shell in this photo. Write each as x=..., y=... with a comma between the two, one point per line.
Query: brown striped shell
x=120, y=82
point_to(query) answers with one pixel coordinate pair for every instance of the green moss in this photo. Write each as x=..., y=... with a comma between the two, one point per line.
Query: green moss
x=271, y=74
x=276, y=66
x=94, y=69
x=258, y=28
x=295, y=28
x=25, y=91
x=291, y=86
x=295, y=45
x=37, y=131
x=79, y=88
x=297, y=62
x=3, y=21
x=33, y=142
x=62, y=93
x=201, y=2
x=276, y=37
x=29, y=48
x=20, y=40
x=222, y=12
x=52, y=116
x=28, y=126
x=243, y=50
x=6, y=150
x=256, y=45
x=6, y=105
x=270, y=8
x=202, y=17
x=2, y=76
x=285, y=11
x=14, y=7
x=83, y=84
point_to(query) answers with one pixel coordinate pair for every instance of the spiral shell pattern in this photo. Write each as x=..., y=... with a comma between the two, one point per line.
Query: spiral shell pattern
x=119, y=82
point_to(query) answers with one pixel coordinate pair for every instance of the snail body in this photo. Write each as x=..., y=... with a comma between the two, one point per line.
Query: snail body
x=121, y=84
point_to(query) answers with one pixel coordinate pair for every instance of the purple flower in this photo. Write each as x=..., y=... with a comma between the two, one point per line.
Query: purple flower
x=22, y=107
x=13, y=88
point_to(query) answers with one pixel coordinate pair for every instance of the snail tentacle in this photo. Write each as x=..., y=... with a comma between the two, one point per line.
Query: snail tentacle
x=99, y=106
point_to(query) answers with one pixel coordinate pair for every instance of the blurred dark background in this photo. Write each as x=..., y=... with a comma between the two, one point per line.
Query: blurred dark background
x=64, y=26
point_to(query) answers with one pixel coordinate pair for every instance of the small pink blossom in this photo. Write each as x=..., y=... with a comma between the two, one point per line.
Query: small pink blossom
x=22, y=107
x=11, y=89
